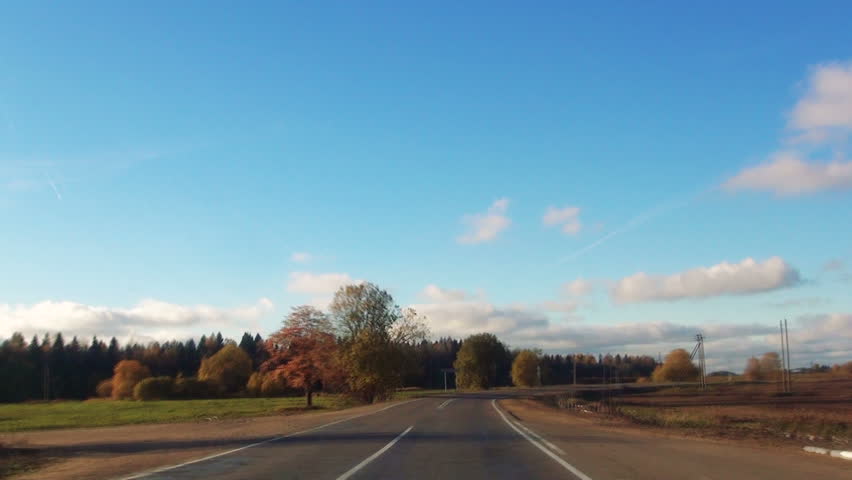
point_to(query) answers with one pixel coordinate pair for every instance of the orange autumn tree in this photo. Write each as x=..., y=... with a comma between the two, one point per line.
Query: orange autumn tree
x=303, y=351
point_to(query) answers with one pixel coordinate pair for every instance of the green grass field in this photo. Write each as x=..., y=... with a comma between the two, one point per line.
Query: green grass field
x=100, y=413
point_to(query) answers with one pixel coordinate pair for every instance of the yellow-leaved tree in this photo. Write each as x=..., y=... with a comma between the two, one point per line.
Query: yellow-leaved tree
x=525, y=369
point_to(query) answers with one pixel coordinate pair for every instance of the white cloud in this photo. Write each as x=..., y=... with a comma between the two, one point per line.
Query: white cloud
x=301, y=257
x=568, y=217
x=578, y=288
x=801, y=302
x=149, y=319
x=438, y=294
x=818, y=338
x=820, y=121
x=557, y=306
x=484, y=227
x=787, y=174
x=318, y=283
x=748, y=276
x=825, y=111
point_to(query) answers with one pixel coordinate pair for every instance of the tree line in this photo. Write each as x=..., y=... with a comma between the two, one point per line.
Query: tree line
x=364, y=345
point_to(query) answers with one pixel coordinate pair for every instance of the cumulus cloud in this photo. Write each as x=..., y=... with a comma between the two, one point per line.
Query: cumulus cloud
x=578, y=288
x=820, y=120
x=746, y=277
x=301, y=257
x=149, y=319
x=818, y=338
x=438, y=294
x=826, y=108
x=318, y=283
x=558, y=306
x=567, y=217
x=787, y=174
x=484, y=227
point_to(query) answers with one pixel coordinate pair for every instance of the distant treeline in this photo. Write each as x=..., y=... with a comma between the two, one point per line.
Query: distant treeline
x=51, y=368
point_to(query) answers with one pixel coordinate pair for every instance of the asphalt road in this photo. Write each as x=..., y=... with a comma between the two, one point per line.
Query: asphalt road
x=473, y=437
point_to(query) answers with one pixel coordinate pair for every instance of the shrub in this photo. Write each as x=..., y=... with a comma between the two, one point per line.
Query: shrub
x=767, y=368
x=677, y=367
x=643, y=380
x=229, y=369
x=191, y=387
x=127, y=374
x=842, y=369
x=104, y=388
x=154, y=388
x=273, y=385
x=255, y=382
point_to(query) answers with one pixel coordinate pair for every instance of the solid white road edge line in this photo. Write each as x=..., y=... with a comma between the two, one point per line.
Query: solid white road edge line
x=541, y=439
x=846, y=454
x=441, y=406
x=235, y=450
x=568, y=466
x=374, y=456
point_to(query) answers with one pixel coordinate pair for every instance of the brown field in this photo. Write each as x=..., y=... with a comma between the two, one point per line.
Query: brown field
x=818, y=412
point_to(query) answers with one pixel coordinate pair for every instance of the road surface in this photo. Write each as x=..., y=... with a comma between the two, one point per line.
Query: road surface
x=475, y=437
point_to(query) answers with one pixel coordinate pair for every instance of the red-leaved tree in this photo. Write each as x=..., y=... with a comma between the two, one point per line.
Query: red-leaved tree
x=303, y=350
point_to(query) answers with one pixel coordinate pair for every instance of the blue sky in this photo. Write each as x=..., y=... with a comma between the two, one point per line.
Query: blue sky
x=161, y=164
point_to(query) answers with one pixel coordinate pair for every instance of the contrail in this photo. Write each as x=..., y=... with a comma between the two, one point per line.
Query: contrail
x=52, y=185
x=634, y=222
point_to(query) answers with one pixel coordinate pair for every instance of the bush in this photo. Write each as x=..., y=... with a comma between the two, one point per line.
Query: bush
x=767, y=368
x=155, y=388
x=643, y=380
x=104, y=388
x=229, y=369
x=844, y=369
x=273, y=385
x=677, y=367
x=127, y=374
x=191, y=388
x=255, y=382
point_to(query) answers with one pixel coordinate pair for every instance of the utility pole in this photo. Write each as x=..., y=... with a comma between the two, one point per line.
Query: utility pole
x=783, y=360
x=575, y=369
x=789, y=363
x=699, y=349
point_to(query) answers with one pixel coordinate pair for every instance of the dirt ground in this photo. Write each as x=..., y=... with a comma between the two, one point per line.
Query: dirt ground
x=109, y=452
x=818, y=412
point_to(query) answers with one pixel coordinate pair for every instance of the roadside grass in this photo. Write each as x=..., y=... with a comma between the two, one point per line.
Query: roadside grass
x=101, y=413
x=407, y=393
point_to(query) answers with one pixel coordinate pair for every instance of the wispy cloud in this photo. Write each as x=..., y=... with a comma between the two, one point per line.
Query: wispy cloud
x=301, y=257
x=635, y=222
x=567, y=217
x=484, y=227
x=52, y=185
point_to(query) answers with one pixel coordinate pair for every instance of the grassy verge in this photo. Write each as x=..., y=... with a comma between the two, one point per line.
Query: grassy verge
x=101, y=413
x=406, y=393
